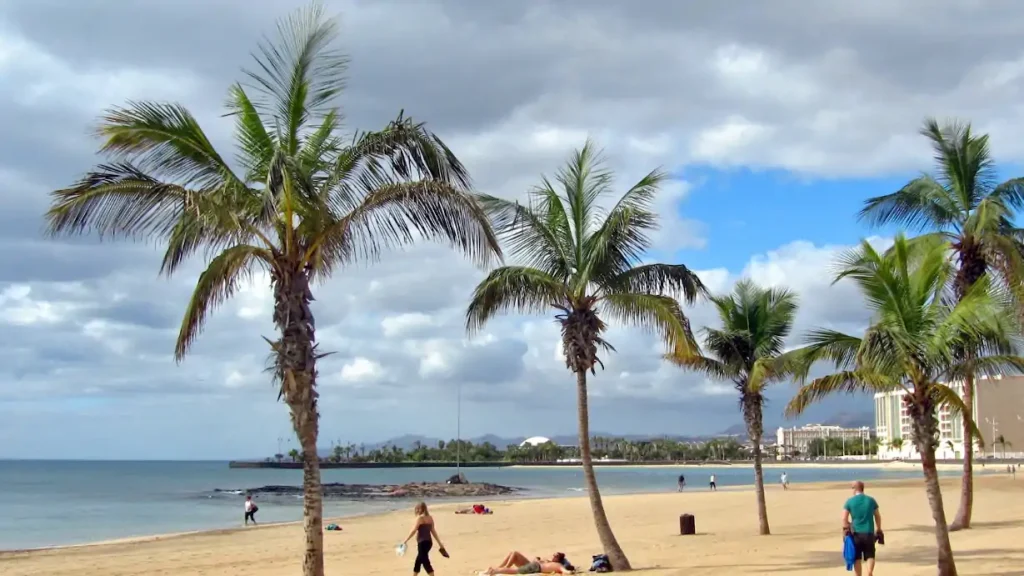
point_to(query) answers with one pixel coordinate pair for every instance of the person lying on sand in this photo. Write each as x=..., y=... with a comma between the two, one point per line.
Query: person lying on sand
x=475, y=509
x=518, y=563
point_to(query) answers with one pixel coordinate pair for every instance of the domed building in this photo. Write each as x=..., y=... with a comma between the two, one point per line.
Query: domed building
x=535, y=441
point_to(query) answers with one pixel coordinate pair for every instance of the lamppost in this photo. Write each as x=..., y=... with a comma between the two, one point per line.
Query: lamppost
x=458, y=430
x=992, y=440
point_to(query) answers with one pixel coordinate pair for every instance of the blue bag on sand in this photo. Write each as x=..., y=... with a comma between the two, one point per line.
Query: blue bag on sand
x=849, y=551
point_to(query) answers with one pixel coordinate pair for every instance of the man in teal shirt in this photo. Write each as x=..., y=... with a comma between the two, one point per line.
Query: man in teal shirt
x=862, y=519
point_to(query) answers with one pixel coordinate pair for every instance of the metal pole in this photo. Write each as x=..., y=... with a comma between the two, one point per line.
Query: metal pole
x=458, y=430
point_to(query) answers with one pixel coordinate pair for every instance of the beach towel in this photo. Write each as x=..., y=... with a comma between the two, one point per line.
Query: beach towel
x=849, y=552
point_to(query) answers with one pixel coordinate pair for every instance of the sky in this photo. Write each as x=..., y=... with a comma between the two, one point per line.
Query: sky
x=776, y=121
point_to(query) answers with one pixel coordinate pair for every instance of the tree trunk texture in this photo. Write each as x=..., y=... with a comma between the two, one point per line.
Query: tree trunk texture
x=962, y=520
x=616, y=556
x=972, y=267
x=752, y=414
x=925, y=428
x=295, y=367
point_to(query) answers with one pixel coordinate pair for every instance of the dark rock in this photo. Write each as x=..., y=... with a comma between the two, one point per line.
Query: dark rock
x=412, y=490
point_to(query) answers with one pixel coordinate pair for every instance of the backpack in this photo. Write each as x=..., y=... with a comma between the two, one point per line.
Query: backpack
x=601, y=564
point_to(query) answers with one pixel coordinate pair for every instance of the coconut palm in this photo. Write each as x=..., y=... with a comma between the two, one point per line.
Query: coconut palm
x=745, y=351
x=1003, y=443
x=913, y=344
x=583, y=259
x=963, y=203
x=299, y=201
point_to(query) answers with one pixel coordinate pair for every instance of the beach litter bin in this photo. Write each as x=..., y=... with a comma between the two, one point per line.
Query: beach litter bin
x=687, y=525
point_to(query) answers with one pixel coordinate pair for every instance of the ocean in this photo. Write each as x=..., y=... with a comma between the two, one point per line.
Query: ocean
x=51, y=503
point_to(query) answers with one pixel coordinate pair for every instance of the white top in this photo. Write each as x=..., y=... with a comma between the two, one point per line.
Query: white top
x=712, y=477
x=783, y=476
x=248, y=505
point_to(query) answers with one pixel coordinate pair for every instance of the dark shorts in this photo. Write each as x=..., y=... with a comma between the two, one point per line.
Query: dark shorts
x=529, y=568
x=863, y=546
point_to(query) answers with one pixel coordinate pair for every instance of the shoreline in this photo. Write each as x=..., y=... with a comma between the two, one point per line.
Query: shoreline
x=444, y=506
x=804, y=527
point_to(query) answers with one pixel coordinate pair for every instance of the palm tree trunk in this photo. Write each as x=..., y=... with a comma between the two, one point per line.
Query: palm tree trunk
x=611, y=547
x=946, y=565
x=295, y=367
x=312, y=506
x=755, y=430
x=762, y=506
x=962, y=520
x=923, y=415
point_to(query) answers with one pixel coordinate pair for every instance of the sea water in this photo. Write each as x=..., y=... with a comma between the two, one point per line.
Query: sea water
x=50, y=503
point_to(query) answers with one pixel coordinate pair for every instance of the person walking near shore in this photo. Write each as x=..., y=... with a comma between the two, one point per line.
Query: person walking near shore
x=784, y=480
x=425, y=532
x=250, y=510
x=682, y=483
x=712, y=485
x=863, y=521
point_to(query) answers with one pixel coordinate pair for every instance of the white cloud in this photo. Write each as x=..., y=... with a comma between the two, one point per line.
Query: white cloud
x=361, y=370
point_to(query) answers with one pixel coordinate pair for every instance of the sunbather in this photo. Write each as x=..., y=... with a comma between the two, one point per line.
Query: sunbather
x=518, y=563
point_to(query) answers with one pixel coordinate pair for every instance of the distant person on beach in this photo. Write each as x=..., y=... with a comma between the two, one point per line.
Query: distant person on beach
x=784, y=480
x=250, y=510
x=712, y=483
x=518, y=563
x=862, y=519
x=682, y=483
x=425, y=532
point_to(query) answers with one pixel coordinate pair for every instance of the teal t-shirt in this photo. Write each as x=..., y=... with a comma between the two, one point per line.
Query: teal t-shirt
x=862, y=513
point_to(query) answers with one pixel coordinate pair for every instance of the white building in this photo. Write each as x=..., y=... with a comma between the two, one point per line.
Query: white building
x=795, y=439
x=535, y=441
x=998, y=412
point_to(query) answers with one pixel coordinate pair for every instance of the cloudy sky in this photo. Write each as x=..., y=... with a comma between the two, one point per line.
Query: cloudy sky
x=776, y=120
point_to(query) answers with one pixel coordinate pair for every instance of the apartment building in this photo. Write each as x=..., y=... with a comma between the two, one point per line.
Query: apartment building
x=795, y=440
x=998, y=412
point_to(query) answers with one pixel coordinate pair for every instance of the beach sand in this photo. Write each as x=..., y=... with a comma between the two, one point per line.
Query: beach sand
x=805, y=537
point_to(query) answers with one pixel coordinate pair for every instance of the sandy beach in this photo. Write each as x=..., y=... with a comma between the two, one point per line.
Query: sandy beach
x=805, y=539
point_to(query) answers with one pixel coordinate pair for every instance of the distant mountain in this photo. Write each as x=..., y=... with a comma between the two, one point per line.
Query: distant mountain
x=853, y=419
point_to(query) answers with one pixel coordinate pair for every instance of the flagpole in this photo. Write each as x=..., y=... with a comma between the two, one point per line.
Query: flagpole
x=458, y=431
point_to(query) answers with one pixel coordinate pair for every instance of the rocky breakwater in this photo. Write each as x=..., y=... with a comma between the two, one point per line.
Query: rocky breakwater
x=421, y=490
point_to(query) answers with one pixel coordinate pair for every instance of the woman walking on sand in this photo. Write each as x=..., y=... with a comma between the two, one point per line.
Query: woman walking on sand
x=425, y=532
x=250, y=510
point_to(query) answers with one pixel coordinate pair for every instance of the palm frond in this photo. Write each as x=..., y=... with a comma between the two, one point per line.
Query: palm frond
x=695, y=361
x=222, y=277
x=844, y=382
x=299, y=74
x=255, y=142
x=405, y=149
x=584, y=179
x=164, y=140
x=398, y=215
x=527, y=236
x=1011, y=193
x=943, y=395
x=513, y=288
x=659, y=314
x=921, y=203
x=118, y=200
x=624, y=236
x=674, y=280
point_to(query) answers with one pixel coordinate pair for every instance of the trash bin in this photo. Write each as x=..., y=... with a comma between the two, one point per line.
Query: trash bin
x=687, y=525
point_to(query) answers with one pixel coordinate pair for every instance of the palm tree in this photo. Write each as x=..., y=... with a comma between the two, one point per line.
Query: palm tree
x=897, y=444
x=963, y=203
x=303, y=201
x=584, y=260
x=912, y=345
x=745, y=351
x=1001, y=441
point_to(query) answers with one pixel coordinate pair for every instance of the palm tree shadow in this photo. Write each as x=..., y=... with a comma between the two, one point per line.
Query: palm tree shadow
x=979, y=526
x=916, y=555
